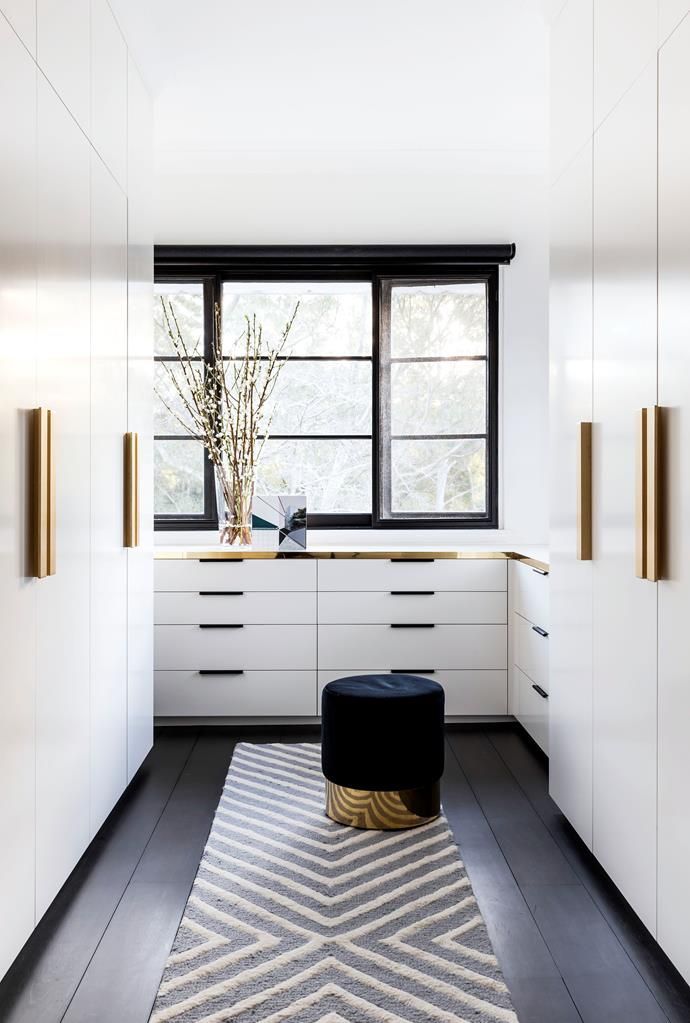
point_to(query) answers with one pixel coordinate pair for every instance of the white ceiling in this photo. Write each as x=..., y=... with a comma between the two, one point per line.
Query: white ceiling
x=359, y=76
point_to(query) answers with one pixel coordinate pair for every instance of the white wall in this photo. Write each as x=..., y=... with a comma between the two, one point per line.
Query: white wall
x=387, y=123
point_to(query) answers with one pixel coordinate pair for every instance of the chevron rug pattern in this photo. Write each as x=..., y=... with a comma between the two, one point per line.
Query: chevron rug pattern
x=295, y=918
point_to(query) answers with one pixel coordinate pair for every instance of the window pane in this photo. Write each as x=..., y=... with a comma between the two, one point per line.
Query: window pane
x=438, y=320
x=322, y=397
x=188, y=306
x=334, y=474
x=438, y=476
x=178, y=477
x=164, y=421
x=333, y=318
x=438, y=397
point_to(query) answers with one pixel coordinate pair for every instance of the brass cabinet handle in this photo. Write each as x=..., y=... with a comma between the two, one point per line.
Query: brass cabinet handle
x=131, y=490
x=641, y=494
x=43, y=493
x=584, y=492
x=653, y=496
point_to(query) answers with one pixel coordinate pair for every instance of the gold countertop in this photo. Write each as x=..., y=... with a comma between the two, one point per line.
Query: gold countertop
x=238, y=554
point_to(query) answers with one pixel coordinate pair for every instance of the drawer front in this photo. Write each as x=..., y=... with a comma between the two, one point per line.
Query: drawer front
x=219, y=606
x=442, y=607
x=467, y=692
x=530, y=593
x=531, y=651
x=251, y=574
x=533, y=711
x=268, y=647
x=260, y=693
x=443, y=646
x=397, y=574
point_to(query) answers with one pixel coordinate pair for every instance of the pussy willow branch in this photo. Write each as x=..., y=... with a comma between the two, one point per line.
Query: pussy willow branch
x=226, y=401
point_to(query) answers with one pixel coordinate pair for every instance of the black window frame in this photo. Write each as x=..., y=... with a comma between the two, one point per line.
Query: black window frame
x=377, y=265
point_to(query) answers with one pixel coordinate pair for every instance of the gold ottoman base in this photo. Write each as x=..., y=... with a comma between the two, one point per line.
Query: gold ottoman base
x=383, y=811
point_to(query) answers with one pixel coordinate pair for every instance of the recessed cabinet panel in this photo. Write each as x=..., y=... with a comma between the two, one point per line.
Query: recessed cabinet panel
x=109, y=90
x=532, y=651
x=530, y=593
x=268, y=647
x=17, y=397
x=251, y=608
x=570, y=580
x=412, y=574
x=674, y=589
x=467, y=692
x=108, y=556
x=533, y=710
x=443, y=646
x=236, y=575
x=624, y=607
x=246, y=694
x=64, y=53
x=437, y=607
x=63, y=385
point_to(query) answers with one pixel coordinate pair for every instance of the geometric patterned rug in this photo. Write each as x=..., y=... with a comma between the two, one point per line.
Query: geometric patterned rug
x=295, y=918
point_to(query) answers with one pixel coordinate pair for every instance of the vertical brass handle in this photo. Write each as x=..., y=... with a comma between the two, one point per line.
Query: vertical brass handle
x=653, y=496
x=44, y=494
x=131, y=490
x=584, y=492
x=641, y=464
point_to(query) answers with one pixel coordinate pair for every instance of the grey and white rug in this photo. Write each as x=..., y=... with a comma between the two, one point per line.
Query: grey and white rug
x=294, y=917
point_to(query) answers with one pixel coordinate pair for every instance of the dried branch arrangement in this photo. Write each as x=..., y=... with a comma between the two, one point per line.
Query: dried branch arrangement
x=227, y=405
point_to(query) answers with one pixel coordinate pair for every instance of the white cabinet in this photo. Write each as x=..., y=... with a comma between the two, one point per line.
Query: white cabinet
x=63, y=35
x=625, y=42
x=21, y=15
x=238, y=693
x=624, y=607
x=17, y=397
x=140, y=417
x=209, y=574
x=467, y=693
x=442, y=607
x=571, y=83
x=251, y=608
x=674, y=589
x=671, y=13
x=237, y=647
x=391, y=574
x=570, y=580
x=108, y=556
x=409, y=647
x=109, y=71
x=63, y=385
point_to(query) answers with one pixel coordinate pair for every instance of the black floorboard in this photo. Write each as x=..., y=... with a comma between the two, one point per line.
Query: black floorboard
x=571, y=949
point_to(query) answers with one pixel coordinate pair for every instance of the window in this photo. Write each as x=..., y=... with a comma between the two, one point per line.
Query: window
x=385, y=413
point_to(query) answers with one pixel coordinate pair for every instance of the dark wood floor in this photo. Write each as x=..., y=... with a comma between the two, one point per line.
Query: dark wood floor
x=570, y=948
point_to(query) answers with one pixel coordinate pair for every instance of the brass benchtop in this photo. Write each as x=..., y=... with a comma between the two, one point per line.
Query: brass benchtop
x=363, y=553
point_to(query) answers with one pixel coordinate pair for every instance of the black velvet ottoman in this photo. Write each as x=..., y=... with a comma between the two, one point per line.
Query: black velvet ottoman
x=382, y=750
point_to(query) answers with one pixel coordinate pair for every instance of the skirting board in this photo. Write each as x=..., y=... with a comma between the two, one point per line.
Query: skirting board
x=470, y=719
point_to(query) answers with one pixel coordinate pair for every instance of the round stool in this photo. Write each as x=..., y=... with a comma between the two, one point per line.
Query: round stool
x=382, y=750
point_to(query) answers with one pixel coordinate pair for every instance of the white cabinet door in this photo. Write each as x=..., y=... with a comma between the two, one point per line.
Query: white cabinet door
x=21, y=15
x=674, y=590
x=203, y=575
x=140, y=421
x=625, y=41
x=671, y=12
x=108, y=556
x=442, y=607
x=408, y=649
x=468, y=692
x=391, y=574
x=624, y=607
x=571, y=83
x=238, y=694
x=17, y=397
x=244, y=648
x=109, y=90
x=570, y=580
x=63, y=384
x=64, y=53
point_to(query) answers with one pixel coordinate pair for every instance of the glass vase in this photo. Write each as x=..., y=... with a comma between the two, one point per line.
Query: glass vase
x=234, y=503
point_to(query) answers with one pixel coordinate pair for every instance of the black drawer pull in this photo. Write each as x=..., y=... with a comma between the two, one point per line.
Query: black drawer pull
x=221, y=593
x=539, y=632
x=412, y=593
x=540, y=571
x=411, y=561
x=218, y=561
x=221, y=671
x=221, y=626
x=413, y=671
x=538, y=689
x=413, y=625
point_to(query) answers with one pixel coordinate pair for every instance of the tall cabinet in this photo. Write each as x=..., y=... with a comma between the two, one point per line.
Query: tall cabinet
x=620, y=323
x=75, y=338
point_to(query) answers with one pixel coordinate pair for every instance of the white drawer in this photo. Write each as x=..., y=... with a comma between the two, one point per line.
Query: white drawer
x=219, y=606
x=269, y=647
x=531, y=651
x=440, y=608
x=530, y=593
x=249, y=694
x=399, y=574
x=235, y=574
x=467, y=692
x=533, y=710
x=443, y=646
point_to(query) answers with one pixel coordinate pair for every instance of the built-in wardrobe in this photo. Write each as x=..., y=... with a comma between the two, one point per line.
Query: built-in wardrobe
x=620, y=497
x=76, y=584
